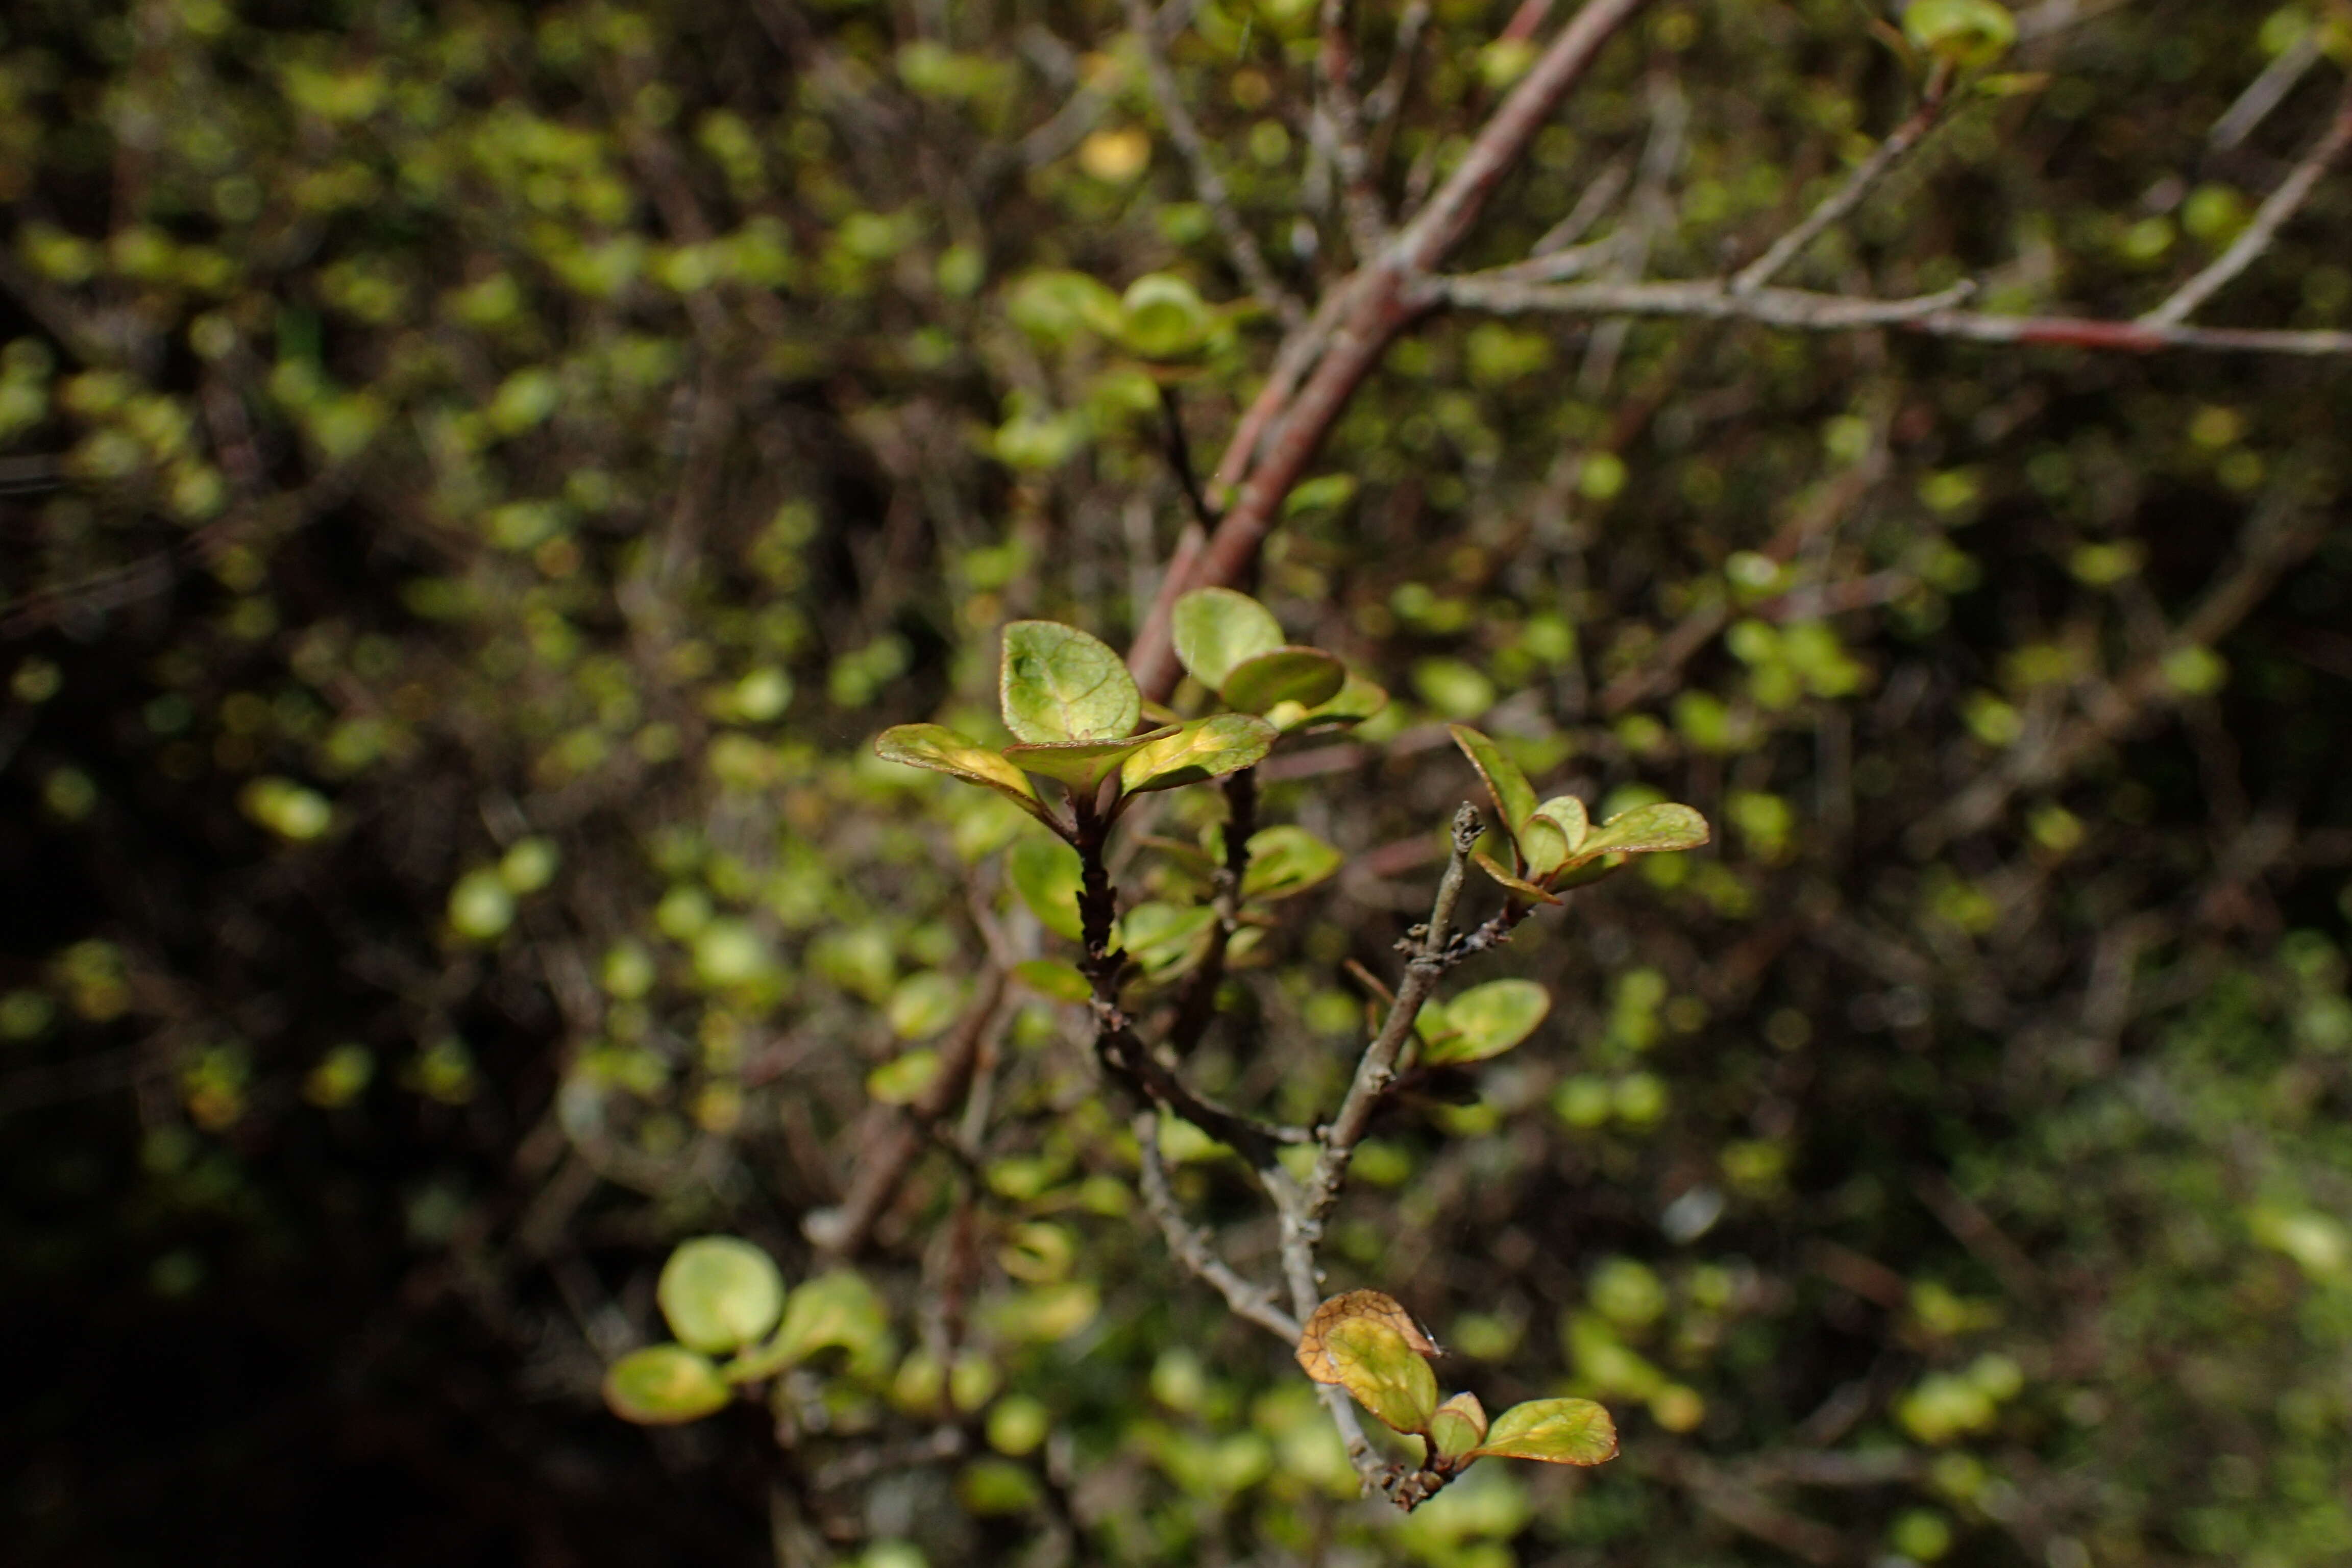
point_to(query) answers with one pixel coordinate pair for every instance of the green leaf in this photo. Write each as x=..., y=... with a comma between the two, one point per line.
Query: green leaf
x=1459, y=1425
x=1203, y=749
x=1050, y=977
x=1566, y=814
x=1048, y=875
x=1646, y=830
x=1081, y=765
x=1216, y=628
x=902, y=1079
x=1385, y=1374
x=720, y=1293
x=837, y=1309
x=1058, y=684
x=1557, y=1431
x=1286, y=860
x=1355, y=701
x=943, y=750
x=1302, y=675
x=1486, y=1020
x=1518, y=885
x=1158, y=936
x=1163, y=317
x=1543, y=847
x=1515, y=798
x=1367, y=1343
x=662, y=1385
x=1968, y=33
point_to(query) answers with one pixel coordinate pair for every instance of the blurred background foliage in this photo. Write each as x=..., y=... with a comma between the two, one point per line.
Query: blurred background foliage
x=474, y=477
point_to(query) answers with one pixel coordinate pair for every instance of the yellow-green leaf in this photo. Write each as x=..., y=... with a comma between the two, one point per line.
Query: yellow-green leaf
x=1383, y=1371
x=1566, y=814
x=1520, y=886
x=1543, y=847
x=1968, y=33
x=1081, y=765
x=1557, y=1431
x=1515, y=798
x=1355, y=701
x=837, y=1309
x=1160, y=936
x=1216, y=628
x=1058, y=684
x=902, y=1079
x=1646, y=830
x=1162, y=318
x=1048, y=875
x=1204, y=749
x=1459, y=1425
x=662, y=1385
x=1050, y=977
x=1286, y=860
x=943, y=750
x=1486, y=1020
x=720, y=1293
x=1301, y=675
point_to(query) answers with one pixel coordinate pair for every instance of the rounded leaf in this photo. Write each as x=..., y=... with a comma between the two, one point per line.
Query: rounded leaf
x=1557, y=1431
x=1965, y=33
x=1459, y=1425
x=1303, y=675
x=1163, y=317
x=1646, y=830
x=1518, y=885
x=1543, y=847
x=1286, y=860
x=1356, y=701
x=1058, y=684
x=1050, y=977
x=1204, y=749
x=943, y=750
x=1048, y=876
x=1486, y=1020
x=1383, y=1371
x=662, y=1385
x=1374, y=1304
x=1566, y=814
x=720, y=1293
x=1216, y=628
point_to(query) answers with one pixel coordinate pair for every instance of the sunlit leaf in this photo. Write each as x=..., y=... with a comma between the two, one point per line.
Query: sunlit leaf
x=1377, y=1365
x=662, y=1385
x=1513, y=796
x=1557, y=1431
x=1204, y=749
x=1542, y=845
x=1354, y=702
x=943, y=750
x=1459, y=1425
x=902, y=1079
x=720, y=1293
x=1058, y=684
x=1646, y=830
x=1286, y=860
x=1303, y=675
x=1374, y=1304
x=837, y=1310
x=1486, y=1020
x=1216, y=628
x=1567, y=812
x=1518, y=885
x=1048, y=875
x=1163, y=317
x=1081, y=765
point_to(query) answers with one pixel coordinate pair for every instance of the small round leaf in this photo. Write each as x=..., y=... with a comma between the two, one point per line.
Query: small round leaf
x=1488, y=1020
x=1303, y=675
x=1204, y=749
x=1058, y=684
x=1286, y=860
x=1048, y=876
x=662, y=1385
x=720, y=1293
x=1459, y=1425
x=943, y=750
x=1216, y=628
x=1646, y=830
x=1081, y=765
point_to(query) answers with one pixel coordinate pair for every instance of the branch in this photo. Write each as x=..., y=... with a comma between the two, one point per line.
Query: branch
x=1183, y=130
x=1433, y=955
x=1342, y=118
x=2264, y=93
x=1849, y=195
x=2277, y=207
x=1192, y=1248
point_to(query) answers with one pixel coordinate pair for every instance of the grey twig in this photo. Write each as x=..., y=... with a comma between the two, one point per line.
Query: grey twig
x=1192, y=1246
x=1248, y=259
x=2277, y=207
x=1849, y=195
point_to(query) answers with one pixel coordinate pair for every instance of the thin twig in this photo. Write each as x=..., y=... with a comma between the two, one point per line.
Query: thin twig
x=2265, y=92
x=1191, y=1246
x=1248, y=259
x=1341, y=118
x=2277, y=207
x=1849, y=195
x=1708, y=301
